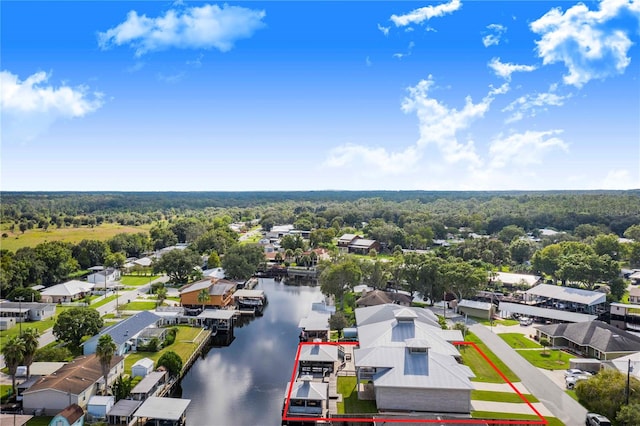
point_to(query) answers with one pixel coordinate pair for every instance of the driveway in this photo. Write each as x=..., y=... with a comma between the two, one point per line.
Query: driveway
x=561, y=405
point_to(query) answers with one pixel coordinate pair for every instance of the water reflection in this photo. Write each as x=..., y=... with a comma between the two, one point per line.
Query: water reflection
x=244, y=383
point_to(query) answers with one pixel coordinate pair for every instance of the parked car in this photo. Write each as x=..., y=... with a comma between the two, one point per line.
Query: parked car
x=524, y=321
x=573, y=372
x=594, y=419
x=571, y=381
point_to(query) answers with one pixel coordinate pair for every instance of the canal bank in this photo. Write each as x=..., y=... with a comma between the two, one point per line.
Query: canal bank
x=244, y=383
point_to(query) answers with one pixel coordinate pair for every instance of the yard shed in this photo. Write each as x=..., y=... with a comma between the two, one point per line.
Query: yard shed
x=142, y=367
x=122, y=412
x=99, y=406
x=476, y=309
x=163, y=411
x=73, y=415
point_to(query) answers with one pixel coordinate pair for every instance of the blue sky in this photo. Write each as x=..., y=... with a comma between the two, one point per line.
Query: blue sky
x=242, y=96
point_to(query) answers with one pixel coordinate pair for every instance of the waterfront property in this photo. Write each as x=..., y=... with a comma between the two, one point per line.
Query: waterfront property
x=315, y=326
x=163, y=411
x=379, y=297
x=319, y=359
x=153, y=384
x=594, y=339
x=218, y=320
x=251, y=300
x=76, y=382
x=125, y=332
x=122, y=412
x=307, y=398
x=220, y=293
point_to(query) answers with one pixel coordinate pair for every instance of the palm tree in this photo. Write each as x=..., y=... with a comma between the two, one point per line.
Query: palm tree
x=105, y=350
x=30, y=338
x=13, y=352
x=161, y=295
x=203, y=296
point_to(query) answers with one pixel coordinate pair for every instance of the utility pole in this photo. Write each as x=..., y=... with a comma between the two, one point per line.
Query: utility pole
x=20, y=299
x=629, y=370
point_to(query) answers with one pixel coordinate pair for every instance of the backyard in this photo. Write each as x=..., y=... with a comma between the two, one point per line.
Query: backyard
x=351, y=404
x=553, y=359
x=481, y=368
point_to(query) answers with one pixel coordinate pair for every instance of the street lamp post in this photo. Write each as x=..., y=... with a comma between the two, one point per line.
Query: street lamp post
x=629, y=370
x=20, y=299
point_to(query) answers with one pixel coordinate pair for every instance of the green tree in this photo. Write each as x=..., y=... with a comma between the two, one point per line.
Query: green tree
x=510, y=232
x=336, y=278
x=179, y=265
x=188, y=229
x=375, y=274
x=241, y=261
x=75, y=323
x=161, y=295
x=629, y=414
x=28, y=294
x=431, y=282
x=521, y=250
x=607, y=244
x=90, y=253
x=105, y=351
x=56, y=256
x=203, y=297
x=605, y=393
x=115, y=260
x=122, y=387
x=53, y=354
x=338, y=322
x=30, y=338
x=162, y=236
x=633, y=232
x=13, y=353
x=214, y=260
x=545, y=343
x=171, y=361
x=463, y=278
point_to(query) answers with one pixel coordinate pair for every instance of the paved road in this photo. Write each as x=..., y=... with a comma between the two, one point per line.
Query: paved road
x=561, y=405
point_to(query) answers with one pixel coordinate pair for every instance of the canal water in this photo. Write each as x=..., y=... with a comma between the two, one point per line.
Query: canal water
x=244, y=383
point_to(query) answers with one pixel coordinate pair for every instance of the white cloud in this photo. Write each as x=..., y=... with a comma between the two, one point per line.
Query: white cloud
x=494, y=38
x=171, y=78
x=530, y=105
x=384, y=30
x=619, y=179
x=381, y=160
x=204, y=27
x=589, y=43
x=408, y=53
x=422, y=14
x=505, y=70
x=31, y=106
x=523, y=149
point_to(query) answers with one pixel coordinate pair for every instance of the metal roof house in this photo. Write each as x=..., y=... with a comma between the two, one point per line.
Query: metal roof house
x=315, y=326
x=163, y=411
x=319, y=359
x=124, y=332
x=594, y=339
x=66, y=292
x=308, y=398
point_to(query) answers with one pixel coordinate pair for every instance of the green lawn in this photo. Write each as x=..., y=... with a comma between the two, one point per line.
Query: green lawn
x=506, y=322
x=39, y=421
x=351, y=404
x=184, y=346
x=572, y=394
x=104, y=301
x=33, y=237
x=550, y=359
x=138, y=306
x=137, y=280
x=513, y=397
x=518, y=341
x=481, y=368
x=15, y=331
x=552, y=421
x=5, y=390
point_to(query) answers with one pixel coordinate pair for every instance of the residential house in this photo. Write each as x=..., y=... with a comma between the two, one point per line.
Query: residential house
x=76, y=382
x=634, y=295
x=27, y=311
x=124, y=333
x=379, y=297
x=146, y=336
x=163, y=411
x=37, y=370
x=6, y=323
x=67, y=292
x=345, y=240
x=635, y=278
x=142, y=367
x=412, y=377
x=308, y=398
x=625, y=316
x=593, y=339
x=315, y=326
x=105, y=276
x=73, y=415
x=152, y=384
x=220, y=293
x=279, y=231
x=363, y=246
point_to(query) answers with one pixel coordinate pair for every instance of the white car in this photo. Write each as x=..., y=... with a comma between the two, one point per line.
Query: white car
x=573, y=372
x=571, y=381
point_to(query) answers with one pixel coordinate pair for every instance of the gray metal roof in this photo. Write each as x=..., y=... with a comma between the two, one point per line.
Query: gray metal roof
x=576, y=295
x=510, y=278
x=127, y=328
x=305, y=389
x=534, y=311
x=402, y=369
x=315, y=321
x=144, y=362
x=163, y=408
x=197, y=286
x=220, y=288
x=149, y=382
x=373, y=314
x=248, y=293
x=124, y=408
x=596, y=334
x=319, y=352
x=221, y=314
x=473, y=304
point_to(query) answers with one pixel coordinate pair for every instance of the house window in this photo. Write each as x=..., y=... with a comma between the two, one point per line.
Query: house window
x=418, y=350
x=313, y=403
x=297, y=402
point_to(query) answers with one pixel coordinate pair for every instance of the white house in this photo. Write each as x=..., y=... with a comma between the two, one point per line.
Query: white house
x=75, y=383
x=124, y=333
x=66, y=292
x=108, y=275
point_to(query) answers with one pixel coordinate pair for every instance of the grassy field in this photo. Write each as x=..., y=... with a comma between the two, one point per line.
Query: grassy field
x=137, y=280
x=549, y=359
x=518, y=341
x=5, y=390
x=552, y=421
x=505, y=322
x=138, y=306
x=184, y=346
x=33, y=237
x=351, y=404
x=513, y=397
x=481, y=368
x=104, y=301
x=39, y=421
x=15, y=331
